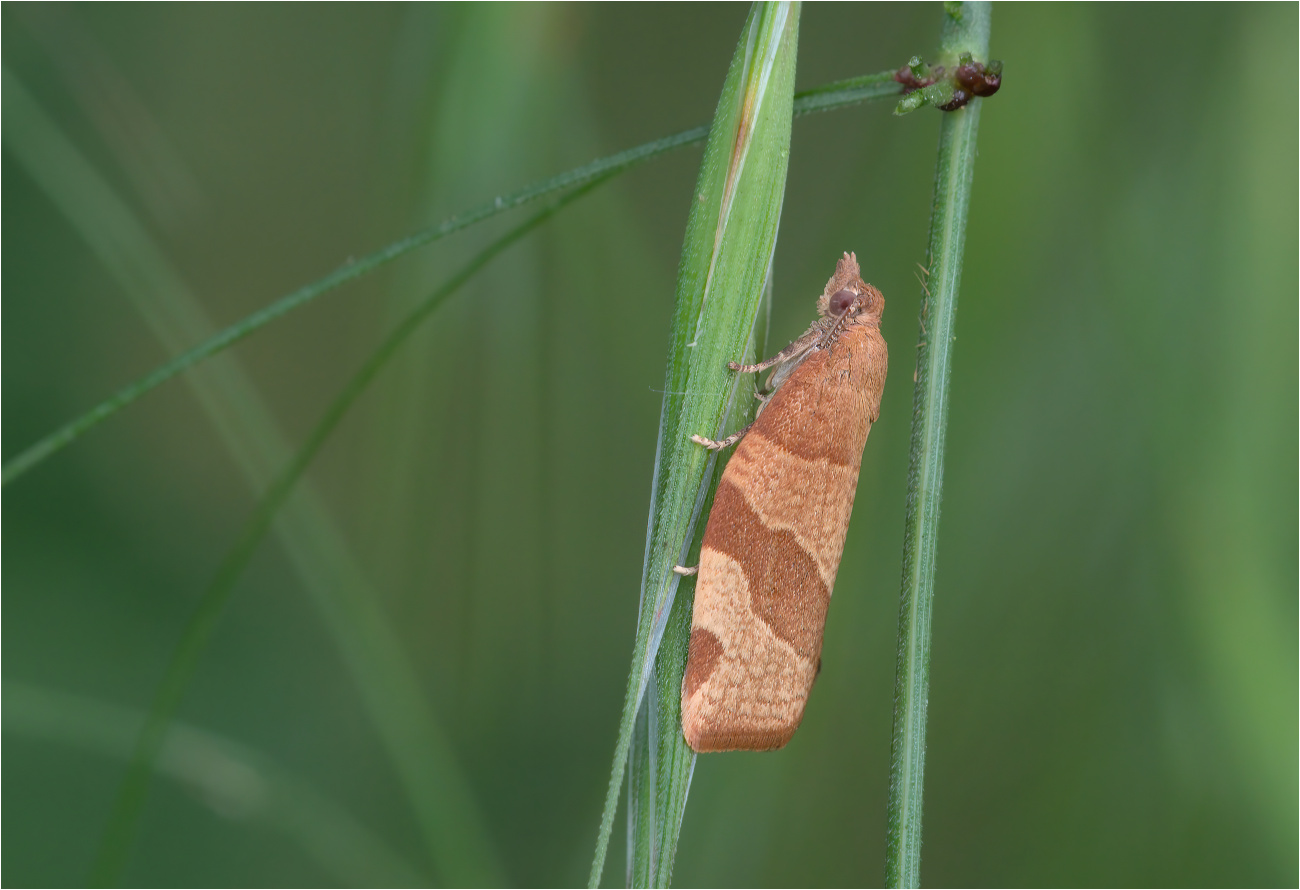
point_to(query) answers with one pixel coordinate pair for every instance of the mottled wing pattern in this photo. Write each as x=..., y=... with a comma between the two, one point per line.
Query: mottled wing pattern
x=772, y=548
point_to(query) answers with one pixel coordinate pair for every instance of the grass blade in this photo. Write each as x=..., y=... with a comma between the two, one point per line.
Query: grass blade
x=726, y=260
x=454, y=824
x=671, y=762
x=235, y=782
x=370, y=646
x=965, y=30
x=825, y=98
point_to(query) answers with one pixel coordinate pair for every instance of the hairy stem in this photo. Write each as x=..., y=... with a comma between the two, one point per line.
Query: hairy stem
x=965, y=29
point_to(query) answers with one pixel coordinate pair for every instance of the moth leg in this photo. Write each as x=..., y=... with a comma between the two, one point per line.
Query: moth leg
x=686, y=570
x=803, y=344
x=761, y=366
x=719, y=444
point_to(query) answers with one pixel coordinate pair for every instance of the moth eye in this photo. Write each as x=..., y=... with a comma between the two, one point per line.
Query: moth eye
x=840, y=303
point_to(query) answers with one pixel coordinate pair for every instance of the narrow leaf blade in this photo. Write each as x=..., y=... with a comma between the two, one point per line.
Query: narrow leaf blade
x=726, y=257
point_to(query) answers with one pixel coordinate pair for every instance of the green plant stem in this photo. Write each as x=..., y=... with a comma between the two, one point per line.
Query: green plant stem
x=825, y=98
x=122, y=825
x=965, y=29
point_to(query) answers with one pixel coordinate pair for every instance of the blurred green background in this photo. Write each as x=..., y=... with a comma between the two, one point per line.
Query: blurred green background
x=1114, y=684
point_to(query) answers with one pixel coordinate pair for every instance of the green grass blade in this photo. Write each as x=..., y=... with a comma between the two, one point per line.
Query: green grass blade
x=371, y=649
x=843, y=93
x=726, y=259
x=673, y=763
x=965, y=29
x=453, y=826
x=641, y=795
x=233, y=781
x=825, y=98
x=666, y=757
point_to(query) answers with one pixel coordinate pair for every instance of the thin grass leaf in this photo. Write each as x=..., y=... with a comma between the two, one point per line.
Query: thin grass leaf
x=666, y=758
x=459, y=812
x=843, y=93
x=371, y=648
x=965, y=30
x=234, y=782
x=825, y=98
x=726, y=260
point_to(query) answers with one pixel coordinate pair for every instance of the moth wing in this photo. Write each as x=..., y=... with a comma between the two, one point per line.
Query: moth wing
x=771, y=552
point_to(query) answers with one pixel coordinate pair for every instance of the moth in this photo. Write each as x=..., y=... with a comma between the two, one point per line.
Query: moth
x=773, y=542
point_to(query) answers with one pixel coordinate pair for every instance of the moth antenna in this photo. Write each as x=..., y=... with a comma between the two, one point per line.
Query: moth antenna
x=837, y=327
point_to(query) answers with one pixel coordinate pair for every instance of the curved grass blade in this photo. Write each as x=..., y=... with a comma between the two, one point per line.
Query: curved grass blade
x=371, y=649
x=661, y=762
x=825, y=98
x=233, y=781
x=726, y=258
x=452, y=821
x=965, y=30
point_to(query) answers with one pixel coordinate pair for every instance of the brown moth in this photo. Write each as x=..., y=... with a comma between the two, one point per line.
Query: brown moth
x=776, y=532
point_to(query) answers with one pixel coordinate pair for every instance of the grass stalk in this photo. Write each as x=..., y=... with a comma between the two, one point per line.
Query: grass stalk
x=965, y=30
x=725, y=265
x=824, y=98
x=124, y=820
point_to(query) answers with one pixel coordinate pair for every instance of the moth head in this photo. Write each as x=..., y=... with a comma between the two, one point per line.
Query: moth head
x=871, y=302
x=846, y=294
x=859, y=300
